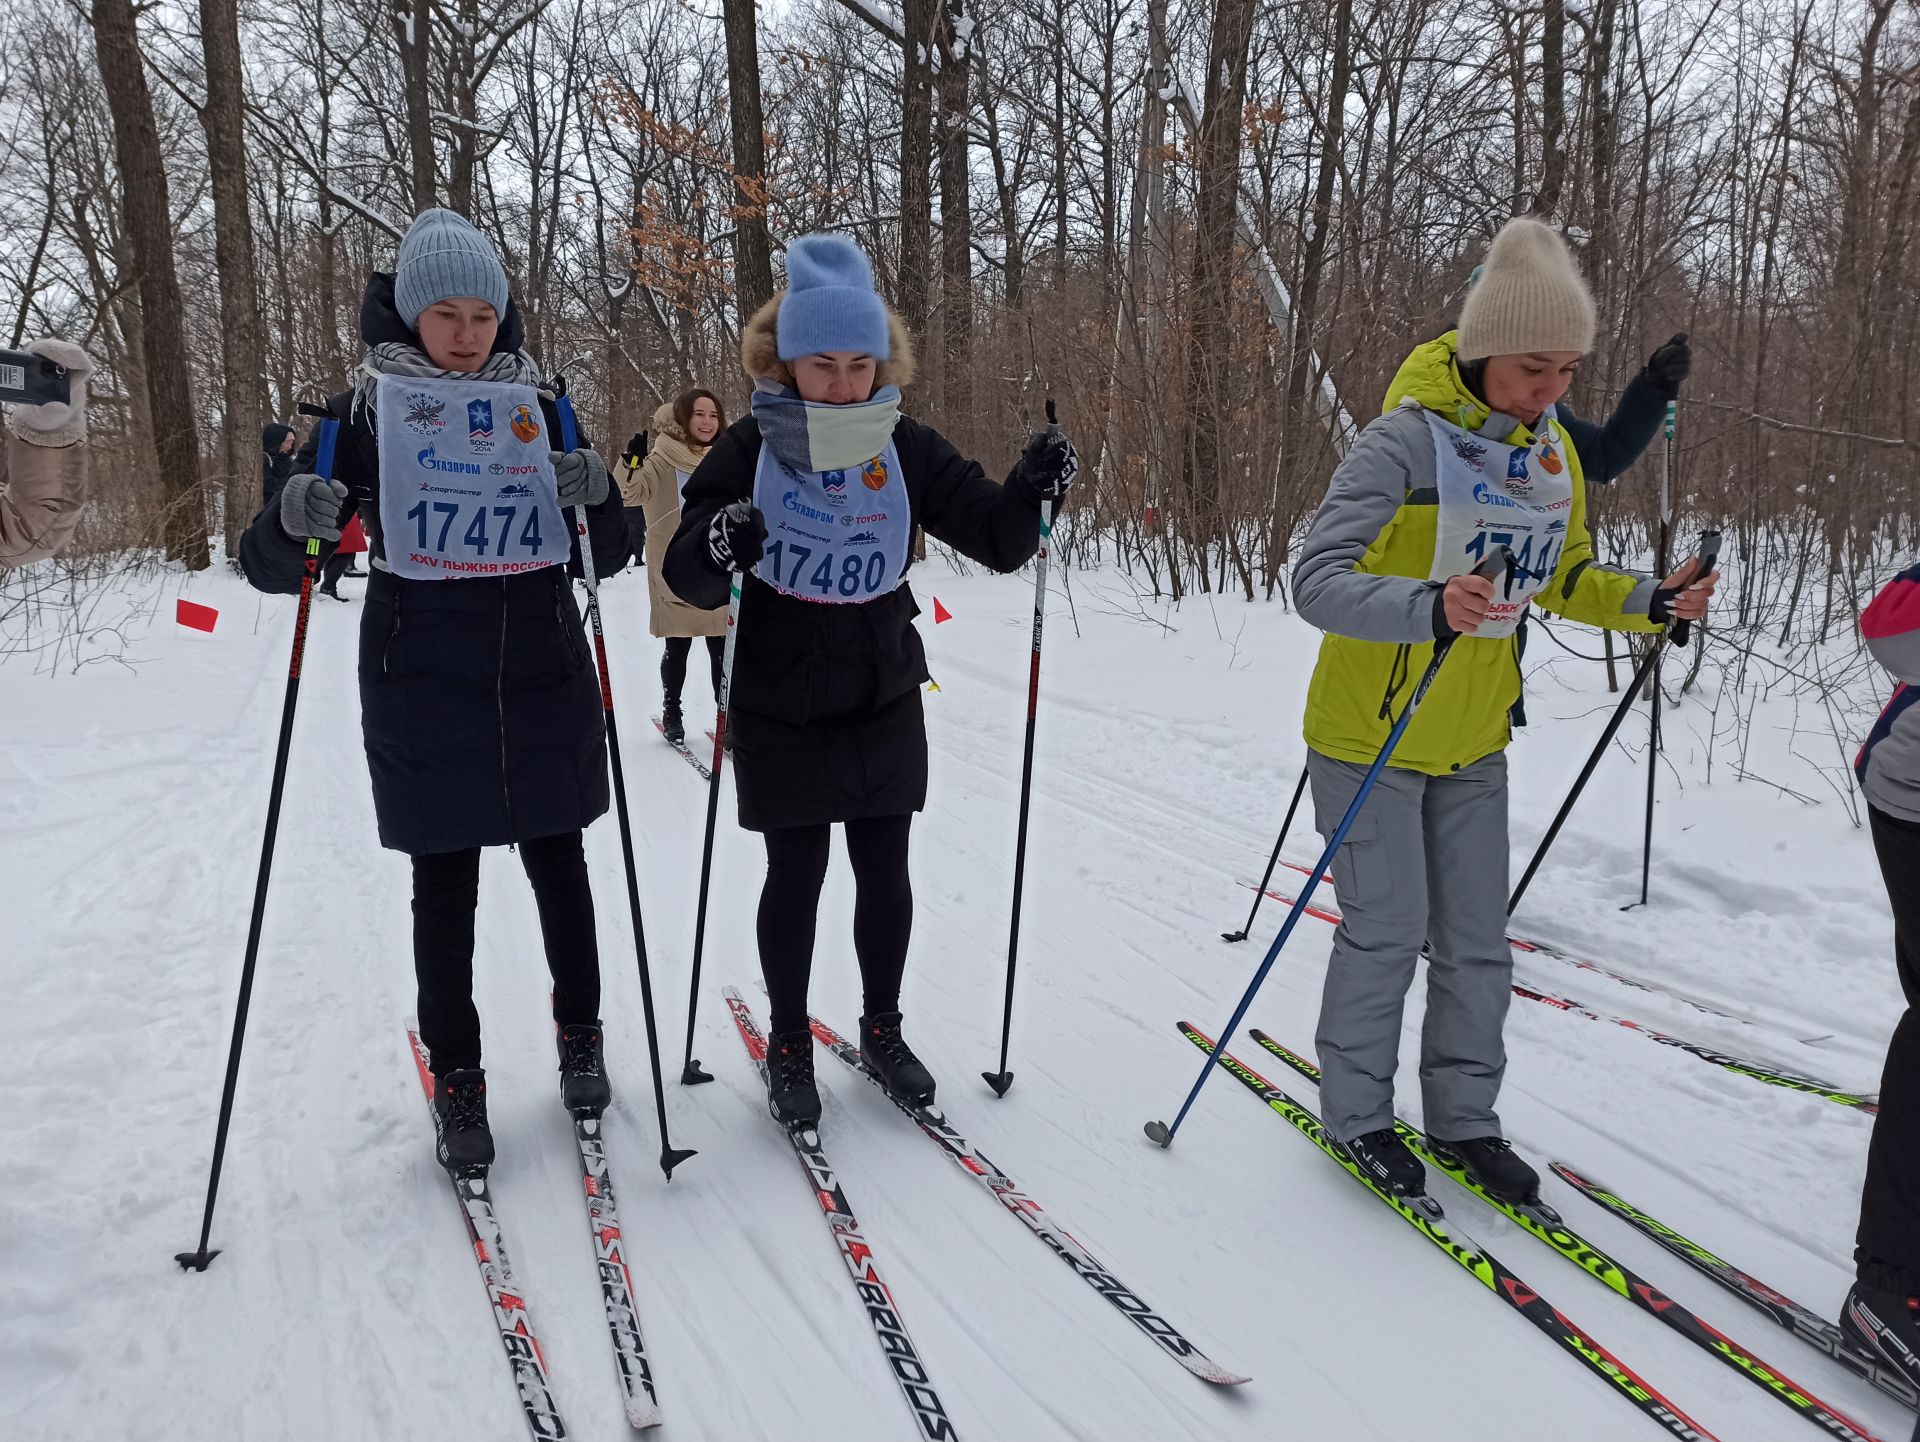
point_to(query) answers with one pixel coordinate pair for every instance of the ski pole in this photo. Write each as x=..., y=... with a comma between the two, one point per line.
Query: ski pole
x=670, y=1157
x=1678, y=634
x=1260, y=892
x=1002, y=1079
x=1499, y=559
x=690, y=1071
x=327, y=435
x=1653, y=737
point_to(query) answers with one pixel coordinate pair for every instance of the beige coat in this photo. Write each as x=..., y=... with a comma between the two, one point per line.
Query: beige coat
x=43, y=490
x=655, y=487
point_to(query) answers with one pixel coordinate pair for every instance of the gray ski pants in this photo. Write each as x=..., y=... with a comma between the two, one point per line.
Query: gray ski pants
x=1425, y=862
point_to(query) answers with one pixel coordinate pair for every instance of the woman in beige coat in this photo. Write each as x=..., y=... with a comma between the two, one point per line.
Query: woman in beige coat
x=682, y=431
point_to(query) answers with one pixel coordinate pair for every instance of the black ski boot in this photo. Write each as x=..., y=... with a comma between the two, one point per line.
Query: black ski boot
x=1491, y=1162
x=792, y=1096
x=1884, y=1324
x=1385, y=1161
x=583, y=1071
x=672, y=725
x=460, y=1106
x=886, y=1051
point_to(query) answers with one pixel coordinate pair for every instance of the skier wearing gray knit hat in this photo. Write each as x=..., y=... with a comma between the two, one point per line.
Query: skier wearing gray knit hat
x=481, y=710
x=442, y=256
x=1468, y=454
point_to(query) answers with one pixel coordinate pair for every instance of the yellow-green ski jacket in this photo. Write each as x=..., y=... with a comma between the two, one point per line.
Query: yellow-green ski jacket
x=1362, y=578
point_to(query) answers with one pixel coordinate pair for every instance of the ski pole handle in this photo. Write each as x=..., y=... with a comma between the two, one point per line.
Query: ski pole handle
x=1499, y=562
x=1053, y=511
x=1709, y=553
x=1673, y=412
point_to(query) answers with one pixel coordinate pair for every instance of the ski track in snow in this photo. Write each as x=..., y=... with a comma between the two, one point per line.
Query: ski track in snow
x=345, y=1304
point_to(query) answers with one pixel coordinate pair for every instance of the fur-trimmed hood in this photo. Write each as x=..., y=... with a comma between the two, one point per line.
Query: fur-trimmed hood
x=760, y=349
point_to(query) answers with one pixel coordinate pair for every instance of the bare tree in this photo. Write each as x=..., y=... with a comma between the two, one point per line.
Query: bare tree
x=243, y=354
x=149, y=224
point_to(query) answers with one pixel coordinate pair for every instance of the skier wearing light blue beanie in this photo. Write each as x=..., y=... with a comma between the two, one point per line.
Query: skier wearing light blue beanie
x=830, y=304
x=814, y=497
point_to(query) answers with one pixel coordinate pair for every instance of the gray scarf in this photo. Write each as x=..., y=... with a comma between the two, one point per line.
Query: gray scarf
x=396, y=358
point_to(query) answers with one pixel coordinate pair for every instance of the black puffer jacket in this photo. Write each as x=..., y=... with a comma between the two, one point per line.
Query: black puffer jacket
x=479, y=700
x=825, y=702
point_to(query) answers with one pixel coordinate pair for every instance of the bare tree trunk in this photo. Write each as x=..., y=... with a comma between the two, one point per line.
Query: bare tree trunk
x=413, y=33
x=149, y=222
x=1553, y=107
x=916, y=159
x=1210, y=331
x=956, y=227
x=244, y=356
x=752, y=246
x=1313, y=262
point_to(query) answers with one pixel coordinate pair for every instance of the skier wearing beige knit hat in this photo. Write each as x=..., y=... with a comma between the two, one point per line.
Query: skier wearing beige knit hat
x=1469, y=455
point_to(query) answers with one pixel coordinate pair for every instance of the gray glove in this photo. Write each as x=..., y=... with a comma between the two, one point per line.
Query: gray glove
x=581, y=477
x=310, y=506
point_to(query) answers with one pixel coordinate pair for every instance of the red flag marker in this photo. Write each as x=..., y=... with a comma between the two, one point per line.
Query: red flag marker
x=940, y=612
x=195, y=615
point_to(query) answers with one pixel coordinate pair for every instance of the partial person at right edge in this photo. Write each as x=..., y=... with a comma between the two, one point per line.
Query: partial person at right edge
x=43, y=465
x=683, y=430
x=1882, y=1310
x=827, y=667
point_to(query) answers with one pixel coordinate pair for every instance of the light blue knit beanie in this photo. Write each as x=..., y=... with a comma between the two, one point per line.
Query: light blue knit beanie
x=830, y=302
x=443, y=256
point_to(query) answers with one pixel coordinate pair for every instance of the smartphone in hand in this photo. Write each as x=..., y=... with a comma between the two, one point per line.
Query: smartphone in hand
x=32, y=380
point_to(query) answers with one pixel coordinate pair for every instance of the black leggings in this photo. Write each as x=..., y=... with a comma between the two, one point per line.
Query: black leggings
x=790, y=904
x=1887, y=1254
x=446, y=891
x=673, y=665
x=335, y=567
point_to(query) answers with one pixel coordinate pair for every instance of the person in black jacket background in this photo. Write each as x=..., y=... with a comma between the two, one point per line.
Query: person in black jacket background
x=276, y=460
x=813, y=497
x=480, y=703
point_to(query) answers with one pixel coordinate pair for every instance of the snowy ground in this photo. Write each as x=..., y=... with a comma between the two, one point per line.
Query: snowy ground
x=131, y=801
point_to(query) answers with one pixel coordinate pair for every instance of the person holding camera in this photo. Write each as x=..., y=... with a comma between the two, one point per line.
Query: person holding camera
x=43, y=465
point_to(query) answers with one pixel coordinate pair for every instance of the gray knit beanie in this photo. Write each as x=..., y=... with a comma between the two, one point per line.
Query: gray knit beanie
x=443, y=256
x=1528, y=298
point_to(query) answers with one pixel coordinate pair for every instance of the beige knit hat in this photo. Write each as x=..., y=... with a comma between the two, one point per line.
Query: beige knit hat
x=1529, y=297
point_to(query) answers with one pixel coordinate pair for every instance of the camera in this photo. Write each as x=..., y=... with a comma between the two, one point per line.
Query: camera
x=32, y=380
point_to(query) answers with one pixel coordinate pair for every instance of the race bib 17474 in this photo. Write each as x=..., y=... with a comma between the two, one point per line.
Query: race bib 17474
x=466, y=483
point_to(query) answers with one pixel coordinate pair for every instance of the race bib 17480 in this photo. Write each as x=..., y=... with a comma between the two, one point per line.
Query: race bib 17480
x=466, y=484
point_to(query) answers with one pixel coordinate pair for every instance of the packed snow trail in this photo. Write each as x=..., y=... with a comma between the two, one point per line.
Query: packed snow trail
x=344, y=1301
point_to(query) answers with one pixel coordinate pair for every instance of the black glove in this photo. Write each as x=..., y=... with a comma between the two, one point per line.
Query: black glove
x=636, y=450
x=736, y=538
x=1670, y=365
x=1049, y=464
